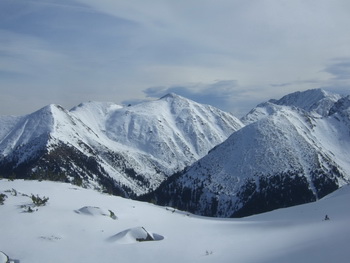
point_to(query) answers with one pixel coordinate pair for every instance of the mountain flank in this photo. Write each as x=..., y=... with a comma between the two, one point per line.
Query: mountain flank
x=287, y=154
x=126, y=151
x=176, y=152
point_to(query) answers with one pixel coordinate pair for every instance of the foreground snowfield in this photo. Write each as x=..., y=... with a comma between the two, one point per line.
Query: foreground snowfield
x=77, y=225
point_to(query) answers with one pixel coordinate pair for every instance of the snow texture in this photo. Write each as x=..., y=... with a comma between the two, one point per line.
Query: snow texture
x=284, y=156
x=290, y=151
x=133, y=235
x=316, y=102
x=55, y=233
x=107, y=146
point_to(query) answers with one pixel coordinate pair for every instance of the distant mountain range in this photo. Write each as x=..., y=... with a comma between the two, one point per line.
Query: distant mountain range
x=126, y=151
x=176, y=152
x=291, y=151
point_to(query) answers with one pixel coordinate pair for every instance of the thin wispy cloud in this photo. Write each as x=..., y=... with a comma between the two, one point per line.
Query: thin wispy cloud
x=225, y=94
x=215, y=52
x=339, y=69
x=296, y=83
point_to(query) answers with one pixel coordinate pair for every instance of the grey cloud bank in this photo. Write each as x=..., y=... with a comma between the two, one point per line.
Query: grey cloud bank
x=231, y=54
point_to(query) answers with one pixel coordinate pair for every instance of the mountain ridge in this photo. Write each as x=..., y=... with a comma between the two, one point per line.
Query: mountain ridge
x=284, y=157
x=111, y=147
x=317, y=102
x=177, y=152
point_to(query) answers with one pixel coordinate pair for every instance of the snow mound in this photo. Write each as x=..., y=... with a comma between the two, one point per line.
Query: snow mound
x=3, y=258
x=133, y=235
x=96, y=211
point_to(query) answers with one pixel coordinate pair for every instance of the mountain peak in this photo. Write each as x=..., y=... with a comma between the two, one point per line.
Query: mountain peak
x=131, y=148
x=317, y=101
x=171, y=95
x=48, y=111
x=285, y=158
x=301, y=96
x=95, y=105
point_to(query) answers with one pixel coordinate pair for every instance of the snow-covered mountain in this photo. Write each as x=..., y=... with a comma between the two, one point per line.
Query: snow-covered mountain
x=123, y=150
x=316, y=102
x=82, y=225
x=291, y=151
x=287, y=156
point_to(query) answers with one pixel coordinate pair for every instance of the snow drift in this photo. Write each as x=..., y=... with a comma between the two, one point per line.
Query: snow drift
x=136, y=234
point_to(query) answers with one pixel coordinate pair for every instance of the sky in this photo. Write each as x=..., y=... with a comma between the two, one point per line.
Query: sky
x=232, y=54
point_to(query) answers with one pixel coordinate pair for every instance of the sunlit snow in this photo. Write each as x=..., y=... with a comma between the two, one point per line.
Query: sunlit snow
x=75, y=226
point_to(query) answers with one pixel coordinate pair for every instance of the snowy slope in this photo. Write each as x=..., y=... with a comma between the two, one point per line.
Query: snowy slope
x=173, y=130
x=76, y=226
x=94, y=114
x=126, y=151
x=28, y=134
x=40, y=131
x=285, y=158
x=316, y=102
x=6, y=124
x=333, y=132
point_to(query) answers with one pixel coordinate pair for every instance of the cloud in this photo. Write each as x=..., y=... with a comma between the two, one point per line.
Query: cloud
x=55, y=52
x=339, y=69
x=295, y=83
x=81, y=50
x=227, y=95
x=255, y=42
x=218, y=90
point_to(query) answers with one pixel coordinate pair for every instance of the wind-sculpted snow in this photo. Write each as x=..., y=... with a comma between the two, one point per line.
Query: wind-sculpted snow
x=134, y=235
x=96, y=211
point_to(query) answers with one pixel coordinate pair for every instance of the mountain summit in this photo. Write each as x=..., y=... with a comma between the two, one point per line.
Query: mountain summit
x=317, y=102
